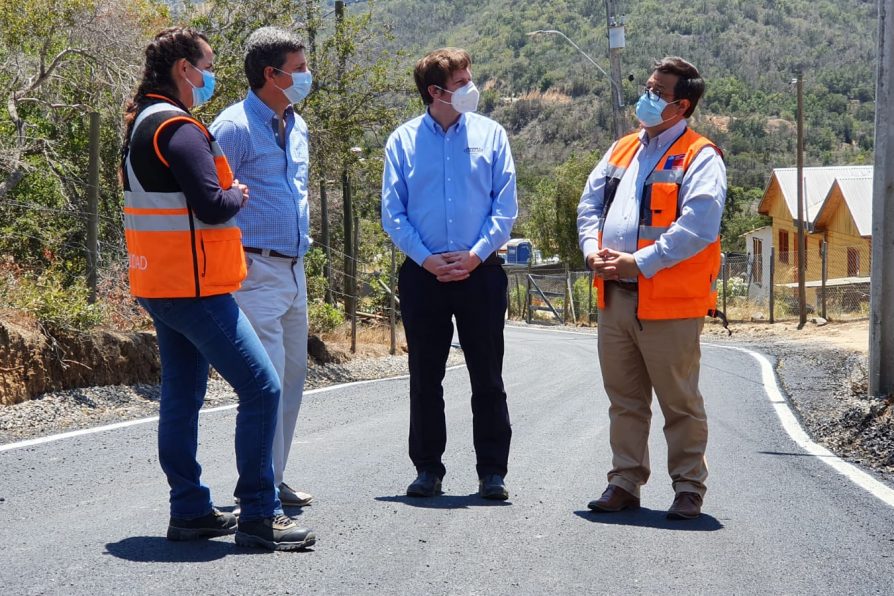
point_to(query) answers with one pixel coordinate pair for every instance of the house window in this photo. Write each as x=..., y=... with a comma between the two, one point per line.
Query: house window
x=757, y=268
x=783, y=246
x=853, y=262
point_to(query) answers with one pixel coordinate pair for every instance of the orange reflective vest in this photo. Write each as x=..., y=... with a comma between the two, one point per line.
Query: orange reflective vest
x=171, y=253
x=687, y=289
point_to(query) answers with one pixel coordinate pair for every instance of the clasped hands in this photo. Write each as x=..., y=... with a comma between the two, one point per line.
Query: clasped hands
x=451, y=266
x=612, y=265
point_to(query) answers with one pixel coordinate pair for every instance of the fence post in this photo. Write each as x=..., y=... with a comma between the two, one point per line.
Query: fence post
x=324, y=231
x=93, y=207
x=724, y=267
x=528, y=295
x=566, y=298
x=571, y=299
x=825, y=273
x=508, y=296
x=354, y=292
x=772, y=284
x=518, y=293
x=391, y=314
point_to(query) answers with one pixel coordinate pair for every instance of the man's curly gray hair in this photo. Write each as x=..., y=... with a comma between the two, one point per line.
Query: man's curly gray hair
x=268, y=46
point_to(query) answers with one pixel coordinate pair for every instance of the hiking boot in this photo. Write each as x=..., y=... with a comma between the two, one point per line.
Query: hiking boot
x=274, y=533
x=215, y=523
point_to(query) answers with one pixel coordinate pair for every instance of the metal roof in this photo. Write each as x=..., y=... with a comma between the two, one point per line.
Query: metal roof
x=857, y=194
x=817, y=183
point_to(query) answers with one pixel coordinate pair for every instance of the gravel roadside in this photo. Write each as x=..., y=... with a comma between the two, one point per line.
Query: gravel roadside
x=65, y=411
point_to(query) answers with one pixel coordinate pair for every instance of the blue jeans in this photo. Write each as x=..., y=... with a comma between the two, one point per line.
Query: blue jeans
x=193, y=332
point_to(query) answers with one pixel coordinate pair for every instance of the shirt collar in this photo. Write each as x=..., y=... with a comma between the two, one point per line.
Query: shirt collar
x=261, y=110
x=665, y=138
x=433, y=125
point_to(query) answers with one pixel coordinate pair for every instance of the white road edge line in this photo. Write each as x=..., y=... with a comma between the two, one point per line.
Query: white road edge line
x=117, y=425
x=794, y=429
x=790, y=424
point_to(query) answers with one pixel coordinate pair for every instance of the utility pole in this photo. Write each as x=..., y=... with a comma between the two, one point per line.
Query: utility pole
x=802, y=289
x=881, y=305
x=615, y=45
x=347, y=203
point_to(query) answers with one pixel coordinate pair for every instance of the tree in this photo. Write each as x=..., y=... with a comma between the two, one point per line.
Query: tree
x=552, y=209
x=60, y=59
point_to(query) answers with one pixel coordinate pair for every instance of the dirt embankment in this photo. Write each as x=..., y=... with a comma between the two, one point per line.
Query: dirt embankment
x=32, y=363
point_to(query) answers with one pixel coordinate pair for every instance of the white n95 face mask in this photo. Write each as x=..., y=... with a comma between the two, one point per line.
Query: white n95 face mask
x=465, y=99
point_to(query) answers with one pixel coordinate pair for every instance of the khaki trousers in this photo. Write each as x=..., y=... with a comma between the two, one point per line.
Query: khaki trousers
x=662, y=355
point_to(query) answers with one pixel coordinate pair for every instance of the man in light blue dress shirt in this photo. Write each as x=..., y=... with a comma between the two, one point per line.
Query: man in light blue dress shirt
x=266, y=143
x=449, y=203
x=648, y=223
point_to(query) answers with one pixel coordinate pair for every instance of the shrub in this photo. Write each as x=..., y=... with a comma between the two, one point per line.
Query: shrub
x=53, y=302
x=323, y=317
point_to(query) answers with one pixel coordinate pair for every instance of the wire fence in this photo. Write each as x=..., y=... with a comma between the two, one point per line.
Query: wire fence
x=761, y=285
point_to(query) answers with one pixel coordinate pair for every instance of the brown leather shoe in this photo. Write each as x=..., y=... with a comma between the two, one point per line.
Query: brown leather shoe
x=686, y=506
x=614, y=499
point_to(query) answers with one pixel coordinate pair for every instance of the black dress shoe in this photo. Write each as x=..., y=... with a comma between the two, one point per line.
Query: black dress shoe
x=492, y=486
x=427, y=484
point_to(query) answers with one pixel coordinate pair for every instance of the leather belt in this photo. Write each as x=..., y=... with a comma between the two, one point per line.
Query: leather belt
x=630, y=286
x=266, y=252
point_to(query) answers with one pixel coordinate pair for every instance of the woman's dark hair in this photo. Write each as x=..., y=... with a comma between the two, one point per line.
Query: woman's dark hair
x=169, y=46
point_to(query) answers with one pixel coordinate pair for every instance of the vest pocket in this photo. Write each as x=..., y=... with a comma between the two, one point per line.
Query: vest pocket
x=224, y=259
x=663, y=203
x=688, y=279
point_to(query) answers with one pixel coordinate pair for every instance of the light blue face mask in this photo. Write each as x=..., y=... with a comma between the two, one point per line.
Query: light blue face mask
x=649, y=109
x=202, y=94
x=301, y=83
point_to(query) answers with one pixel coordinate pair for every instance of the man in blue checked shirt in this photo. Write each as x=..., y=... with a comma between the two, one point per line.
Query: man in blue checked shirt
x=449, y=203
x=266, y=143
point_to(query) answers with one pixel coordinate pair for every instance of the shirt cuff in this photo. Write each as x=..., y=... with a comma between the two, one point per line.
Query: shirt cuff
x=648, y=260
x=419, y=255
x=590, y=246
x=481, y=250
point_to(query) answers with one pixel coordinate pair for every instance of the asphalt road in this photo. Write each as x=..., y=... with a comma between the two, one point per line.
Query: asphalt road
x=88, y=514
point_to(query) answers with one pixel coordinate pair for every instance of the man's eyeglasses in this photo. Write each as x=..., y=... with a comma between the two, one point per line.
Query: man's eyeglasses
x=652, y=94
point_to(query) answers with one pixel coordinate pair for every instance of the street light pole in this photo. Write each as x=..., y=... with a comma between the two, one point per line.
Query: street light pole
x=615, y=44
x=616, y=87
x=802, y=256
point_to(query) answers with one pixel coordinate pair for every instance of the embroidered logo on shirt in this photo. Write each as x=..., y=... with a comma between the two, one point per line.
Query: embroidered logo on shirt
x=474, y=150
x=674, y=162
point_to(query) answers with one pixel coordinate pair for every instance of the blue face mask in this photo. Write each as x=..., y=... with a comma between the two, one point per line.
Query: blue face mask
x=202, y=94
x=649, y=109
x=301, y=83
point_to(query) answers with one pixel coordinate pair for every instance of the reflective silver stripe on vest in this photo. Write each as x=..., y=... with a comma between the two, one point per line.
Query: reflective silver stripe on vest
x=161, y=106
x=675, y=176
x=154, y=200
x=651, y=233
x=612, y=171
x=168, y=223
x=156, y=223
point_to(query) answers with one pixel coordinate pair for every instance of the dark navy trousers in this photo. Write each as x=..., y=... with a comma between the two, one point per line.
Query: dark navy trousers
x=478, y=304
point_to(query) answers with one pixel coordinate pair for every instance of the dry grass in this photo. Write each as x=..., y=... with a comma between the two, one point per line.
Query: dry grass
x=373, y=339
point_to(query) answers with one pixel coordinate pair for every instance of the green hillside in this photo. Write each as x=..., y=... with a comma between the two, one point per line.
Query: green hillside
x=554, y=103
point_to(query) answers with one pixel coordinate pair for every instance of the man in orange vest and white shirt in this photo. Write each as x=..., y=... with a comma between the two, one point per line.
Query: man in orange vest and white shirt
x=648, y=224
